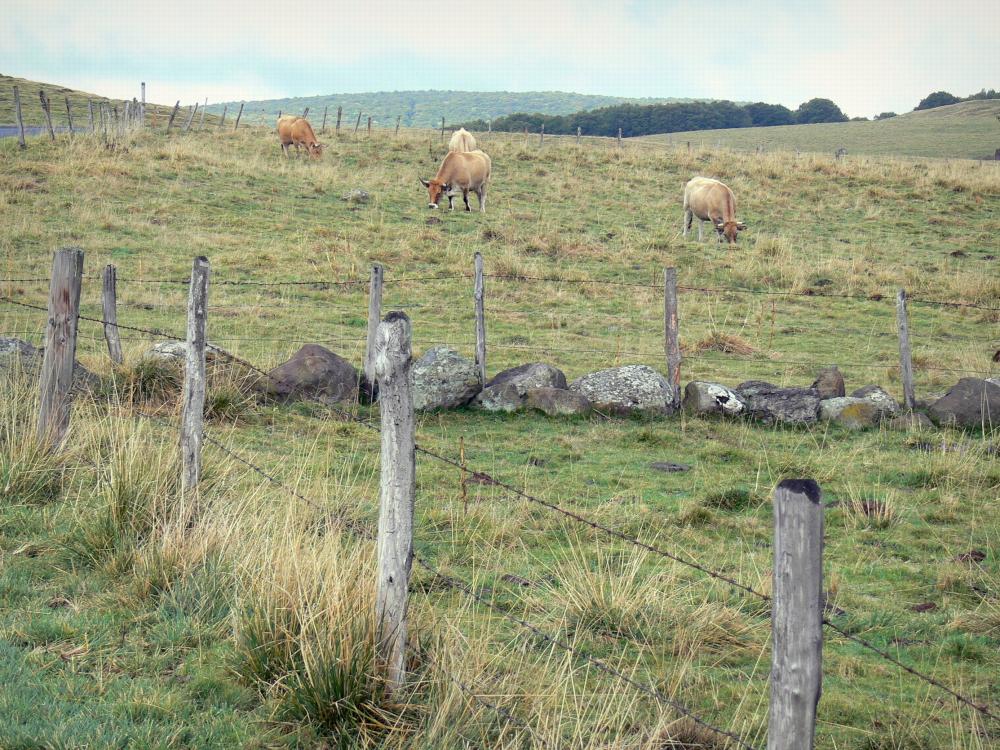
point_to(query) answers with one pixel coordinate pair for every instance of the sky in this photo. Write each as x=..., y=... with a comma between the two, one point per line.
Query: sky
x=869, y=56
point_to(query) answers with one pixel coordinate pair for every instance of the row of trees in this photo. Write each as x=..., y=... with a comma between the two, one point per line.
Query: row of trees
x=943, y=98
x=667, y=118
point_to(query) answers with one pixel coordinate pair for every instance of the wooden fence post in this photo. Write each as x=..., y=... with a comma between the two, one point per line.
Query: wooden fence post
x=190, y=119
x=142, y=109
x=109, y=301
x=222, y=120
x=796, y=615
x=173, y=114
x=69, y=116
x=340, y=111
x=374, y=318
x=671, y=342
x=20, y=121
x=90, y=115
x=541, y=135
x=397, y=488
x=369, y=126
x=489, y=125
x=357, y=124
x=56, y=380
x=238, y=116
x=577, y=135
x=398, y=118
x=619, y=137
x=442, y=130
x=325, y=109
x=193, y=399
x=48, y=114
x=305, y=113
x=905, y=358
x=479, y=293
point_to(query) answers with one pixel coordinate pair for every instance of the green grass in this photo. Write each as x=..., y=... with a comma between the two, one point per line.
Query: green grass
x=172, y=654
x=969, y=130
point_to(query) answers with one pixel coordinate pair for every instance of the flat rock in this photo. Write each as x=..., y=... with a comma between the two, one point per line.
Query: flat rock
x=443, y=379
x=701, y=397
x=971, y=402
x=829, y=383
x=850, y=412
x=316, y=372
x=888, y=406
x=772, y=404
x=503, y=397
x=628, y=390
x=557, y=402
x=910, y=421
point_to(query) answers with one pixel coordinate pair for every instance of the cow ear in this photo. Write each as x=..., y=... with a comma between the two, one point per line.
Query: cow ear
x=425, y=183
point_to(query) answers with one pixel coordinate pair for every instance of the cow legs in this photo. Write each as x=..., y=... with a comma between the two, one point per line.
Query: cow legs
x=481, y=193
x=701, y=224
x=465, y=197
x=451, y=204
x=686, y=221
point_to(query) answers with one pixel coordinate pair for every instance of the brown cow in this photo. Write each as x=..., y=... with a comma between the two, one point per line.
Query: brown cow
x=466, y=171
x=296, y=131
x=711, y=200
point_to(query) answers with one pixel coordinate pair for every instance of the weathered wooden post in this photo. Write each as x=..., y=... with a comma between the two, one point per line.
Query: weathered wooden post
x=357, y=124
x=577, y=135
x=397, y=488
x=489, y=125
x=619, y=137
x=238, y=116
x=796, y=615
x=442, y=130
x=90, y=115
x=374, y=318
x=541, y=136
x=325, y=109
x=905, y=358
x=525, y=135
x=340, y=111
x=671, y=341
x=109, y=302
x=222, y=120
x=190, y=119
x=193, y=398
x=69, y=116
x=142, y=110
x=173, y=114
x=305, y=113
x=56, y=380
x=48, y=114
x=20, y=121
x=398, y=118
x=479, y=294
x=369, y=126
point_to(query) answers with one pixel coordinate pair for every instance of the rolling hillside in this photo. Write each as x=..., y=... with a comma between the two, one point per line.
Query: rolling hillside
x=426, y=108
x=970, y=130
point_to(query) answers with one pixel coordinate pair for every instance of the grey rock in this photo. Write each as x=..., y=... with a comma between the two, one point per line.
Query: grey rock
x=850, y=412
x=910, y=421
x=669, y=467
x=632, y=389
x=443, y=379
x=168, y=351
x=888, y=406
x=994, y=381
x=316, y=372
x=20, y=357
x=772, y=404
x=701, y=397
x=356, y=196
x=531, y=375
x=503, y=397
x=557, y=402
x=830, y=383
x=971, y=402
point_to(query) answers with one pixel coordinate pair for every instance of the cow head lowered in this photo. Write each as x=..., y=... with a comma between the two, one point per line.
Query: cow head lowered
x=435, y=189
x=729, y=229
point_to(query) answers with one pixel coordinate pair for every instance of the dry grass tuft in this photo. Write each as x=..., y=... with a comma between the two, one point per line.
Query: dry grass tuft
x=725, y=343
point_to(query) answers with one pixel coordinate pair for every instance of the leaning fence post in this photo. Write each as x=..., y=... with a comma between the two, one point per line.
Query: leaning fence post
x=109, y=301
x=671, y=341
x=305, y=113
x=173, y=114
x=325, y=109
x=398, y=118
x=56, y=380
x=479, y=293
x=190, y=119
x=69, y=116
x=397, y=488
x=222, y=120
x=905, y=358
x=796, y=615
x=374, y=316
x=238, y=116
x=193, y=399
x=48, y=114
x=357, y=124
x=20, y=121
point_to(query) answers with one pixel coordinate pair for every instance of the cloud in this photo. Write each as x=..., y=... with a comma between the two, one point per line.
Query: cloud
x=866, y=55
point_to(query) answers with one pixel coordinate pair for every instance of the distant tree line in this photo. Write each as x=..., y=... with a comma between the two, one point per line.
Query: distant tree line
x=943, y=98
x=637, y=120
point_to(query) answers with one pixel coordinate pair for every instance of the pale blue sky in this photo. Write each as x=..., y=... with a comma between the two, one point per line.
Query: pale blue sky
x=867, y=55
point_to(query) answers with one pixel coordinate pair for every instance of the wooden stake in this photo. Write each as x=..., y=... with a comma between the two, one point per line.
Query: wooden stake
x=442, y=130
x=69, y=116
x=369, y=126
x=671, y=341
x=222, y=120
x=796, y=615
x=56, y=380
x=20, y=122
x=357, y=124
x=577, y=135
x=479, y=292
x=109, y=300
x=905, y=358
x=173, y=114
x=142, y=111
x=193, y=397
x=48, y=115
x=238, y=116
x=619, y=137
x=374, y=318
x=340, y=111
x=396, y=492
x=305, y=113
x=90, y=114
x=325, y=109
x=190, y=119
x=398, y=118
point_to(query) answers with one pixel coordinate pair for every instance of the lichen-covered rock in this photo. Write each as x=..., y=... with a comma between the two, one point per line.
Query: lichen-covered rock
x=356, y=196
x=910, y=421
x=632, y=389
x=971, y=402
x=701, y=397
x=772, y=404
x=505, y=391
x=504, y=397
x=443, y=379
x=20, y=357
x=850, y=412
x=557, y=402
x=829, y=383
x=316, y=372
x=888, y=406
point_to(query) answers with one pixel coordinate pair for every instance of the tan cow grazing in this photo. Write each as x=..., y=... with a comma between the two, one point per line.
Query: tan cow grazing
x=296, y=131
x=465, y=171
x=462, y=141
x=711, y=200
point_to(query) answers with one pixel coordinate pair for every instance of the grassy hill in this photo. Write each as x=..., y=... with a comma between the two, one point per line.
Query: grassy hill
x=426, y=108
x=244, y=620
x=969, y=130
x=31, y=107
